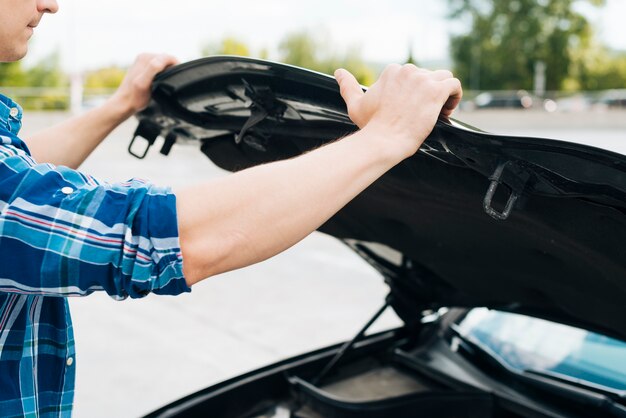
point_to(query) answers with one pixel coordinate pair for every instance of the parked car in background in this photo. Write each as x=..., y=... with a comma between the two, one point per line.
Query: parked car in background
x=613, y=99
x=579, y=102
x=504, y=258
x=520, y=99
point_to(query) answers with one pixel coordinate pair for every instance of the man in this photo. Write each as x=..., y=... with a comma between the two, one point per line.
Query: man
x=64, y=233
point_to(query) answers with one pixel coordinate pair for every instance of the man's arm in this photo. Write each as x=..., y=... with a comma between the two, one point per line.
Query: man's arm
x=64, y=233
x=70, y=142
x=252, y=215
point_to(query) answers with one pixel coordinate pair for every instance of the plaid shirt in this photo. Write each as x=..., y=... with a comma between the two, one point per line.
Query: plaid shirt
x=63, y=233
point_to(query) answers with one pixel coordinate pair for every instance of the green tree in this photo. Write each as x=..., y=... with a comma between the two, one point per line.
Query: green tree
x=12, y=74
x=46, y=76
x=104, y=78
x=508, y=37
x=301, y=49
x=304, y=50
x=597, y=68
x=47, y=72
x=410, y=59
x=227, y=46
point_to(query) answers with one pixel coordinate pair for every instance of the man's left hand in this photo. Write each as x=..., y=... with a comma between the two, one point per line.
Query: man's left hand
x=133, y=94
x=71, y=141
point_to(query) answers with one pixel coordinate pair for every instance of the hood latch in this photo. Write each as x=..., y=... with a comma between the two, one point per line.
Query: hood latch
x=518, y=179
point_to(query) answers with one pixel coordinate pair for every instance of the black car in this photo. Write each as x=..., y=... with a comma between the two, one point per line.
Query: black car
x=505, y=259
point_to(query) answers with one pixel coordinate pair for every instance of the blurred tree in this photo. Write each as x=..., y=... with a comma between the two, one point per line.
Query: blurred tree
x=597, y=68
x=304, y=50
x=353, y=62
x=410, y=59
x=104, y=78
x=611, y=75
x=47, y=72
x=508, y=37
x=264, y=54
x=301, y=49
x=227, y=46
x=12, y=74
x=46, y=76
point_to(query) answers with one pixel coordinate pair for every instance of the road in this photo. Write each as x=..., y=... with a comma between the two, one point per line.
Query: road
x=136, y=355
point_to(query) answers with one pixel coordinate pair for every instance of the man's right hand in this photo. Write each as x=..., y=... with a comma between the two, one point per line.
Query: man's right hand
x=404, y=103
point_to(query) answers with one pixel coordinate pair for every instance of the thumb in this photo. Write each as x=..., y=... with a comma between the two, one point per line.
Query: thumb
x=349, y=88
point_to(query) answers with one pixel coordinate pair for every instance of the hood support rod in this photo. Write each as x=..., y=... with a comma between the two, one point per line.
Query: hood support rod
x=348, y=345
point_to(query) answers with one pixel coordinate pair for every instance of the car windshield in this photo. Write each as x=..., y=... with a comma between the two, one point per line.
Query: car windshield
x=524, y=343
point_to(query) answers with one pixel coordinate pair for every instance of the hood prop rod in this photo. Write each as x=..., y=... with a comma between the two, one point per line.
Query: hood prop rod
x=348, y=345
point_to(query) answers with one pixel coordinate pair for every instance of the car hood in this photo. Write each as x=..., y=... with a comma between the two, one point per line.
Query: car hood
x=526, y=225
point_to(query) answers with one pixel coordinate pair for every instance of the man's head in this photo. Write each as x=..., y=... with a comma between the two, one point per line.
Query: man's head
x=17, y=20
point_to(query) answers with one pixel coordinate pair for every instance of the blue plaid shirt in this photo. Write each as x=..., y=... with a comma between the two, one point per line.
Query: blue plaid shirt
x=63, y=233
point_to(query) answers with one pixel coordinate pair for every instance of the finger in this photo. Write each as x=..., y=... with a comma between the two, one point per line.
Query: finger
x=349, y=87
x=162, y=61
x=455, y=93
x=389, y=71
x=156, y=64
x=146, y=57
x=170, y=60
x=441, y=75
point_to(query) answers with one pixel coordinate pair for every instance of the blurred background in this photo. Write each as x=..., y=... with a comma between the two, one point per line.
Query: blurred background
x=549, y=68
x=554, y=55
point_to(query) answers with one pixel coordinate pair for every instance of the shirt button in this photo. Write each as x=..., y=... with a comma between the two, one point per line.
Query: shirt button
x=14, y=111
x=70, y=361
x=67, y=190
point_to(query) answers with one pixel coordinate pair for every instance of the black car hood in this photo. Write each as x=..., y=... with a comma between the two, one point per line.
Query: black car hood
x=527, y=225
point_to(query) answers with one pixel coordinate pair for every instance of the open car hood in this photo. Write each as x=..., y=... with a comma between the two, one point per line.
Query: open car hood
x=526, y=225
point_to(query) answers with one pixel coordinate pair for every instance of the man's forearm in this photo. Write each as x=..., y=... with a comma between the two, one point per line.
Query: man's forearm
x=252, y=215
x=70, y=142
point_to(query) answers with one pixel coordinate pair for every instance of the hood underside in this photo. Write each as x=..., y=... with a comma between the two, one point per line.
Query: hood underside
x=528, y=225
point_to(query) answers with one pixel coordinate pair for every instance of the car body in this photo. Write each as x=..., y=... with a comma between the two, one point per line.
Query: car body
x=525, y=228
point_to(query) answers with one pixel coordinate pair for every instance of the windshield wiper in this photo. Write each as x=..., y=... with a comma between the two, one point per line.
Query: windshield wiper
x=598, y=396
x=584, y=392
x=608, y=399
x=571, y=383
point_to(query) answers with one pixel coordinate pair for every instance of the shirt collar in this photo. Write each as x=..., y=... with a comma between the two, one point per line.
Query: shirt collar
x=10, y=115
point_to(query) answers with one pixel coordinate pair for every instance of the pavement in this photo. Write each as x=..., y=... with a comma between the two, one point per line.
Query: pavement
x=137, y=355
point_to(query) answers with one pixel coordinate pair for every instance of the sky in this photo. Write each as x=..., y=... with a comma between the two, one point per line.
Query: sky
x=95, y=33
